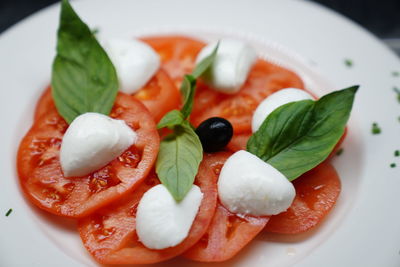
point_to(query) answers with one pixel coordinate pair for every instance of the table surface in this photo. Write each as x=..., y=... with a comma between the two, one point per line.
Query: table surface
x=380, y=17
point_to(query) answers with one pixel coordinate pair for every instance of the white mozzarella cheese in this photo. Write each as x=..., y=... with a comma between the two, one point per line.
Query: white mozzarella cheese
x=274, y=101
x=161, y=222
x=91, y=141
x=231, y=66
x=135, y=62
x=248, y=185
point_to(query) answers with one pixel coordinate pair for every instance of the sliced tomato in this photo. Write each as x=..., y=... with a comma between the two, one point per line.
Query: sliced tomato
x=178, y=54
x=110, y=234
x=42, y=179
x=264, y=79
x=238, y=142
x=227, y=233
x=338, y=146
x=44, y=104
x=316, y=194
x=226, y=236
x=159, y=95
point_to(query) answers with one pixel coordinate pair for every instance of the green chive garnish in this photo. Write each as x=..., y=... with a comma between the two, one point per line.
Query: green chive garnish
x=392, y=165
x=348, y=62
x=375, y=128
x=339, y=152
x=95, y=31
x=397, y=91
x=8, y=212
x=396, y=153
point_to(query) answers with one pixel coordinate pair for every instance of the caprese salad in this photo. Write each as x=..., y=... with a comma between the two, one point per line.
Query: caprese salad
x=165, y=146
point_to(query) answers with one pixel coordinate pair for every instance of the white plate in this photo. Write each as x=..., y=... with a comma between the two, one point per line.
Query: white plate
x=363, y=229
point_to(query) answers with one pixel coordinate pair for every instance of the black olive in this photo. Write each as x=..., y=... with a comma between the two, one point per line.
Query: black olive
x=214, y=133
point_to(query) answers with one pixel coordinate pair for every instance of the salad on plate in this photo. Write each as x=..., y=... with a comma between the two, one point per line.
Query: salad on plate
x=166, y=146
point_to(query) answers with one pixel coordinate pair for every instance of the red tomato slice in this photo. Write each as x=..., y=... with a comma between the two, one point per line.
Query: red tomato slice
x=226, y=236
x=238, y=142
x=264, y=79
x=338, y=145
x=44, y=104
x=159, y=95
x=41, y=176
x=316, y=194
x=178, y=54
x=110, y=236
x=228, y=233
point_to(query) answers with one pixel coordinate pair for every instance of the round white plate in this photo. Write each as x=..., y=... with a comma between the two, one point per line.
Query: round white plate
x=364, y=227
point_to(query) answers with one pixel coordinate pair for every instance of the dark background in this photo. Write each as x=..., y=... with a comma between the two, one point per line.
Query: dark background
x=380, y=17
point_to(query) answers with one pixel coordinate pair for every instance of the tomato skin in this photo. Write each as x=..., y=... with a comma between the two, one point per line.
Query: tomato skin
x=264, y=79
x=338, y=145
x=227, y=235
x=178, y=54
x=41, y=176
x=118, y=244
x=44, y=104
x=159, y=96
x=316, y=194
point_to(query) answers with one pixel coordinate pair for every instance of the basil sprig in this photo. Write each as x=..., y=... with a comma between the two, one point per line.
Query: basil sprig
x=179, y=159
x=298, y=136
x=181, y=152
x=83, y=77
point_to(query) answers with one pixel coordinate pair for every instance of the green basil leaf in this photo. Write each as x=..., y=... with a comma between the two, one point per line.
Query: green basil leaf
x=188, y=88
x=181, y=152
x=171, y=119
x=205, y=64
x=179, y=159
x=298, y=136
x=83, y=77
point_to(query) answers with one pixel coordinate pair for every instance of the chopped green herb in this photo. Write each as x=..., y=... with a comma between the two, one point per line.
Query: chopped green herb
x=339, y=152
x=348, y=62
x=392, y=165
x=95, y=31
x=396, y=153
x=8, y=212
x=397, y=91
x=395, y=73
x=375, y=128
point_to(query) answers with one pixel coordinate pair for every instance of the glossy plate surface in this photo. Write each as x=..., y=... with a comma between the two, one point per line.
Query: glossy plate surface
x=363, y=229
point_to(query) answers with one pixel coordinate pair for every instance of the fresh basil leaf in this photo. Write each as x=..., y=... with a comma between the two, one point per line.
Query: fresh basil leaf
x=179, y=159
x=181, y=152
x=188, y=88
x=83, y=77
x=298, y=136
x=205, y=64
x=171, y=119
